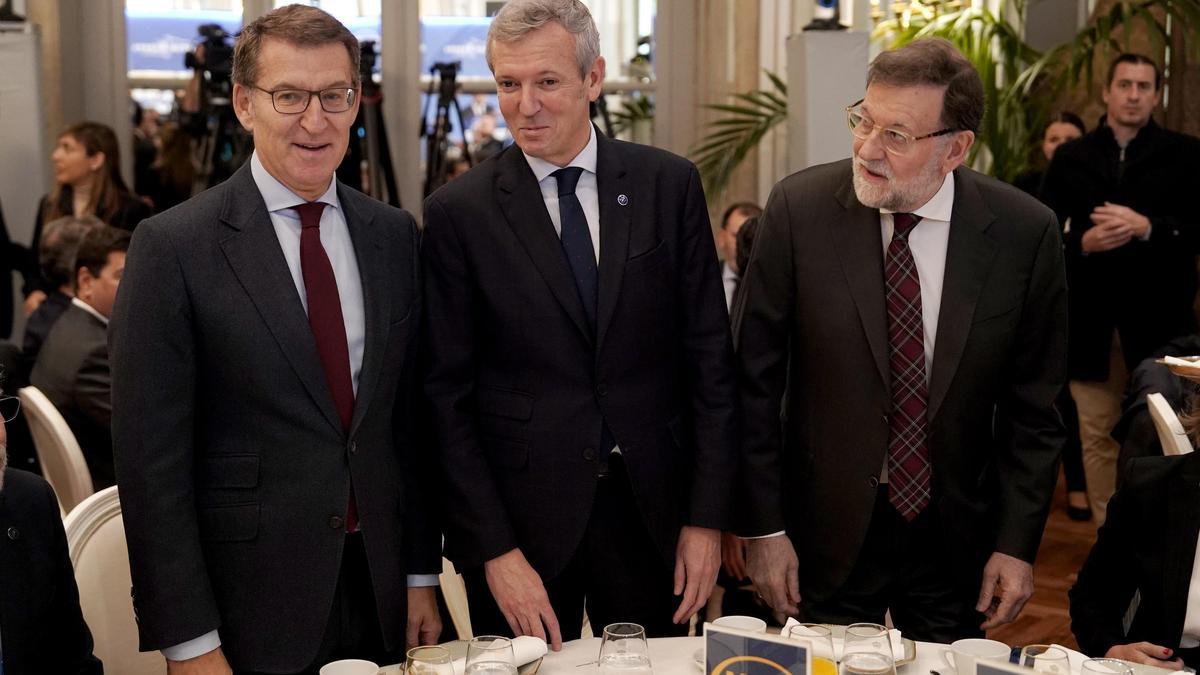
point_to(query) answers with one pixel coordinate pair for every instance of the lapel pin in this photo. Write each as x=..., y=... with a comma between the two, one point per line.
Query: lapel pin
x=623, y=200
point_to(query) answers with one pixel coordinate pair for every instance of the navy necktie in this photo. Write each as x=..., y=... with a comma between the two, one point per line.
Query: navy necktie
x=577, y=241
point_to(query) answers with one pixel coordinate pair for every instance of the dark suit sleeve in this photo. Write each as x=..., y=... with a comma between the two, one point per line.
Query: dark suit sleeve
x=1031, y=441
x=761, y=336
x=72, y=640
x=473, y=508
x=708, y=359
x=1057, y=193
x=93, y=385
x=154, y=383
x=1107, y=581
x=422, y=537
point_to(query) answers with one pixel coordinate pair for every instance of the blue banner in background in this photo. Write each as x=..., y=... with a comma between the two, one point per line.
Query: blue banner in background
x=446, y=39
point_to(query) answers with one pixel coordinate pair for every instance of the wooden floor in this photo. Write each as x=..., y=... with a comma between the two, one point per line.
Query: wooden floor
x=1065, y=545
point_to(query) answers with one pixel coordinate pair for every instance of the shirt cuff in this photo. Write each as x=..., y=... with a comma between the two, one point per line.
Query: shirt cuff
x=193, y=648
x=1149, y=229
x=765, y=536
x=422, y=580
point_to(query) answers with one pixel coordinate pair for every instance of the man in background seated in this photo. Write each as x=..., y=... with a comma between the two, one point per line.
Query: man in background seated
x=41, y=627
x=727, y=242
x=1147, y=545
x=72, y=367
x=56, y=255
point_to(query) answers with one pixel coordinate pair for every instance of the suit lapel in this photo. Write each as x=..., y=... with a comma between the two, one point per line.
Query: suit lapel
x=615, y=222
x=1181, y=531
x=969, y=256
x=252, y=249
x=521, y=201
x=372, y=269
x=858, y=240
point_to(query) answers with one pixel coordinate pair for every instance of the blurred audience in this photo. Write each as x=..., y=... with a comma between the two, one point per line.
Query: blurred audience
x=145, y=148
x=1063, y=127
x=72, y=369
x=56, y=255
x=484, y=143
x=173, y=174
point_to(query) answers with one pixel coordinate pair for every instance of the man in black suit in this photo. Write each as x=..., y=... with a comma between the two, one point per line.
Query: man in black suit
x=580, y=364
x=41, y=626
x=263, y=385
x=1126, y=194
x=914, y=311
x=1148, y=546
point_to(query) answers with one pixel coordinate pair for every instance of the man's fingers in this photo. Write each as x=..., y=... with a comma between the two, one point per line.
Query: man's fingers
x=552, y=628
x=412, y=634
x=680, y=575
x=986, y=591
x=793, y=587
x=687, y=604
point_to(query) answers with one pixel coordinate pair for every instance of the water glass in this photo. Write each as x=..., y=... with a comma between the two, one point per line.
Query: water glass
x=1106, y=667
x=1045, y=659
x=624, y=651
x=867, y=637
x=867, y=663
x=428, y=661
x=490, y=655
x=820, y=641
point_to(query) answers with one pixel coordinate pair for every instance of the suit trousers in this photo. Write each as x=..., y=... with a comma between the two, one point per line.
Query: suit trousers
x=616, y=574
x=910, y=570
x=1099, y=405
x=353, y=628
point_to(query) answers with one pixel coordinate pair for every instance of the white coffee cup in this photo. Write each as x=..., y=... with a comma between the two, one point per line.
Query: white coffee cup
x=962, y=655
x=350, y=667
x=746, y=623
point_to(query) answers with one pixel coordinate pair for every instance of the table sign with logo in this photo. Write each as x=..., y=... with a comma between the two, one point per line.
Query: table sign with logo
x=730, y=651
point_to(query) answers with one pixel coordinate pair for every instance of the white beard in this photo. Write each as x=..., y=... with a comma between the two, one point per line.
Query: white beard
x=899, y=196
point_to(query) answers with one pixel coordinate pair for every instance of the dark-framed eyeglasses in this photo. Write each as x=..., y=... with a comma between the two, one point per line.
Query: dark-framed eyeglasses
x=894, y=141
x=9, y=407
x=295, y=101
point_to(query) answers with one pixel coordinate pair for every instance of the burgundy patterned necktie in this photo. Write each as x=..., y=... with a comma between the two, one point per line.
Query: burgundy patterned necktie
x=328, y=326
x=908, y=463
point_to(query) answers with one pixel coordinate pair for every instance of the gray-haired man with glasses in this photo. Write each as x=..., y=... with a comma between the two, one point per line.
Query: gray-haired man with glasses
x=262, y=350
x=914, y=311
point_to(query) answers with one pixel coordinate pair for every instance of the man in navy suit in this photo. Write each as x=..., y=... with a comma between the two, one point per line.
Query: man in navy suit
x=580, y=363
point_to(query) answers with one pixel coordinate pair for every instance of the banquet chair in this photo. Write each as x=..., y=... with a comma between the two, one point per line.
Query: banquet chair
x=96, y=540
x=57, y=450
x=455, y=593
x=1170, y=431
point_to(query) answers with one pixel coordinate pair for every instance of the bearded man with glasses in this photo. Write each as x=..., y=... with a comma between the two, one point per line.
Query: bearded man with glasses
x=262, y=349
x=912, y=314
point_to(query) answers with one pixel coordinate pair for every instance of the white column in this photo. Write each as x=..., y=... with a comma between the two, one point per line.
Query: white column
x=675, y=55
x=400, y=65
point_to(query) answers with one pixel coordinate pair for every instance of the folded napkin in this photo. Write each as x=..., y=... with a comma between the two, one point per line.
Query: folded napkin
x=526, y=649
x=893, y=639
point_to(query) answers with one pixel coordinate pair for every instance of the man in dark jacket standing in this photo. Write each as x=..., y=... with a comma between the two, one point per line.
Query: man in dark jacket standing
x=1122, y=193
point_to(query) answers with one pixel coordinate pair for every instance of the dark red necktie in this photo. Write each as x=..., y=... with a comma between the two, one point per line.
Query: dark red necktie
x=909, y=469
x=328, y=326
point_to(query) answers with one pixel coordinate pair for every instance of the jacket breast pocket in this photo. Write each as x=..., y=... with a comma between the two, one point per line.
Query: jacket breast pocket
x=647, y=260
x=508, y=403
x=232, y=522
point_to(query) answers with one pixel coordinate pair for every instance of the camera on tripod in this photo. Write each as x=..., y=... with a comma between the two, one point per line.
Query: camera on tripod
x=217, y=63
x=443, y=77
x=447, y=75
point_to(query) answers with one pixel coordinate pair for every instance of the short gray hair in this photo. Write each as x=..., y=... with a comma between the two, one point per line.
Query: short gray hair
x=520, y=17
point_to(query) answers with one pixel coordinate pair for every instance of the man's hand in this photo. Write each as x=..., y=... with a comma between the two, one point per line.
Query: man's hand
x=775, y=571
x=32, y=301
x=522, y=598
x=697, y=559
x=212, y=663
x=1146, y=653
x=1007, y=584
x=1134, y=223
x=424, y=621
x=733, y=555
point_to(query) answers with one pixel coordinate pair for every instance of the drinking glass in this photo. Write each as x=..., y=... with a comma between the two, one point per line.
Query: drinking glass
x=624, y=651
x=820, y=641
x=490, y=655
x=1106, y=667
x=428, y=661
x=1045, y=659
x=867, y=637
x=867, y=663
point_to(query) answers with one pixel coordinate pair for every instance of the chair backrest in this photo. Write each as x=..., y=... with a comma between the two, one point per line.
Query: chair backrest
x=1171, y=435
x=57, y=450
x=455, y=593
x=96, y=540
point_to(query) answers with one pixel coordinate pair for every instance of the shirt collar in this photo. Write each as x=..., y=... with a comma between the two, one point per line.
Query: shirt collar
x=277, y=196
x=90, y=310
x=940, y=206
x=586, y=159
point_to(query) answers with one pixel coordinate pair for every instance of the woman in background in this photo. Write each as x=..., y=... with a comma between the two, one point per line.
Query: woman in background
x=1063, y=127
x=171, y=177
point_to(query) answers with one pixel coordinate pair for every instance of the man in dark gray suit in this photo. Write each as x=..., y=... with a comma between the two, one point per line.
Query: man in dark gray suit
x=72, y=366
x=915, y=312
x=262, y=349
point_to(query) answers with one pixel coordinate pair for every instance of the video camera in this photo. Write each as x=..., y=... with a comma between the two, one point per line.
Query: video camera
x=447, y=74
x=366, y=61
x=218, y=54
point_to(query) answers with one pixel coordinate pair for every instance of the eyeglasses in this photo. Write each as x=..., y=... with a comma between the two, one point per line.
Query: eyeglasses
x=894, y=141
x=9, y=407
x=295, y=101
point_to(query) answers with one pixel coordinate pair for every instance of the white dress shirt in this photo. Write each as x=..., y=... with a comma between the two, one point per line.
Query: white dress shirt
x=585, y=189
x=90, y=310
x=729, y=279
x=335, y=237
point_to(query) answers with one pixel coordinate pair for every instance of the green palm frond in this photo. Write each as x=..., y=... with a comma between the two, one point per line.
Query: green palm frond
x=634, y=109
x=748, y=118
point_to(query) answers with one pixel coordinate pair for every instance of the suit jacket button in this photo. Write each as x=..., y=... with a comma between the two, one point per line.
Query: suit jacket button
x=353, y=447
x=601, y=391
x=14, y=533
x=336, y=523
x=589, y=454
x=873, y=481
